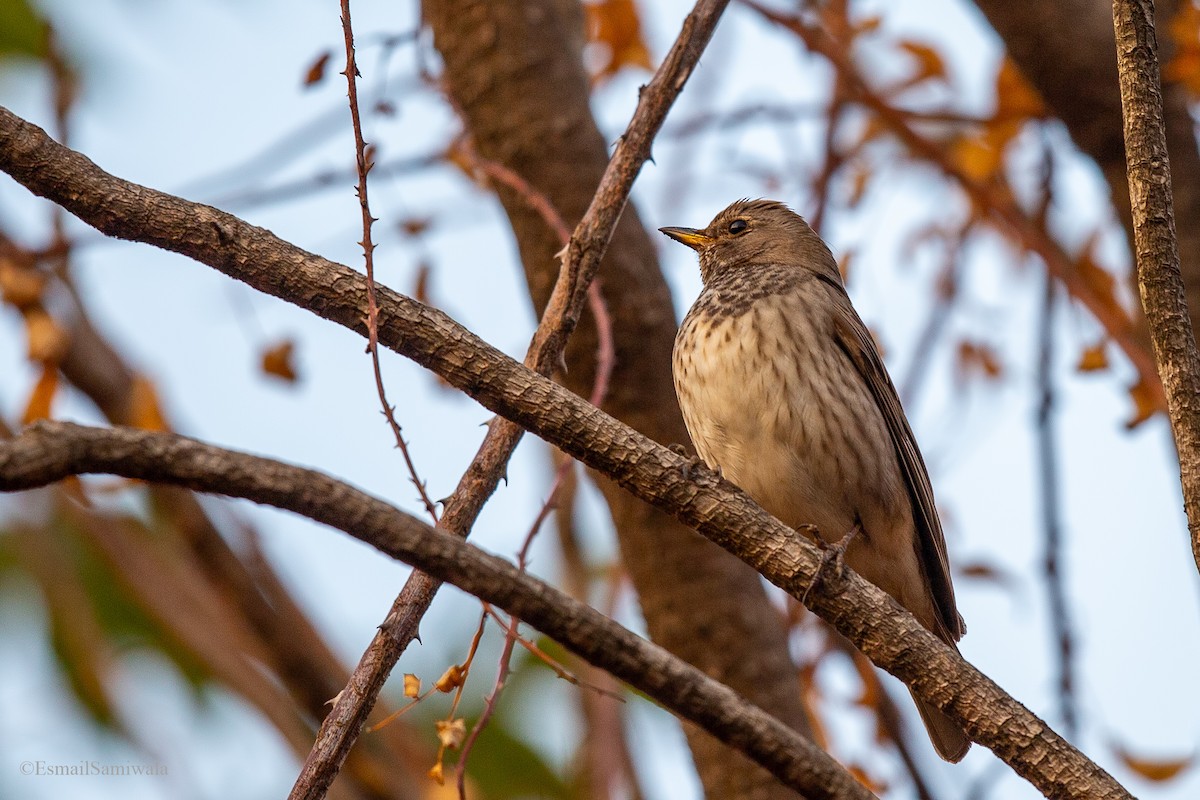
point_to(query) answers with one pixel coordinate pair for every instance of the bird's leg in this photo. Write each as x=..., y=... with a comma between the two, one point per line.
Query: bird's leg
x=832, y=555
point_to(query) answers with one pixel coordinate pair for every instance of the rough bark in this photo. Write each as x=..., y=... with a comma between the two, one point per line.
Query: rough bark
x=519, y=80
x=1066, y=50
x=1159, y=279
x=50, y=451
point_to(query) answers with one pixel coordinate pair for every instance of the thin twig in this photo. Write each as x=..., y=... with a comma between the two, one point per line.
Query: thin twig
x=1159, y=279
x=364, y=162
x=1049, y=485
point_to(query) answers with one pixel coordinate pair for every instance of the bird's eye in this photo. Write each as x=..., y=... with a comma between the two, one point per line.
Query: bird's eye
x=738, y=226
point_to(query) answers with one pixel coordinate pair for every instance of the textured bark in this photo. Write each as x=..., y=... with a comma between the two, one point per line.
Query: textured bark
x=1066, y=50
x=50, y=451
x=519, y=80
x=1158, y=272
x=887, y=634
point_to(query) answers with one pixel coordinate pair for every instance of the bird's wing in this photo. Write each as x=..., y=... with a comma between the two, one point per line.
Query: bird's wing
x=855, y=340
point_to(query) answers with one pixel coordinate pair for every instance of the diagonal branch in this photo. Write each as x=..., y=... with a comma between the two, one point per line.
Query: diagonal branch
x=51, y=451
x=345, y=721
x=887, y=634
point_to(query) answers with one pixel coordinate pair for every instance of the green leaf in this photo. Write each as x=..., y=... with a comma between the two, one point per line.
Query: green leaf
x=22, y=31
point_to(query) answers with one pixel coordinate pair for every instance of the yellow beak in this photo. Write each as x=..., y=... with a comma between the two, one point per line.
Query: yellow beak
x=690, y=236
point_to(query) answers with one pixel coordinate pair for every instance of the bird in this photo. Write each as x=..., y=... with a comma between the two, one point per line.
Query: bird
x=784, y=393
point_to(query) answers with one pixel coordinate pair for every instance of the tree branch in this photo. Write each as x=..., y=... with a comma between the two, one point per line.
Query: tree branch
x=887, y=634
x=50, y=451
x=1159, y=280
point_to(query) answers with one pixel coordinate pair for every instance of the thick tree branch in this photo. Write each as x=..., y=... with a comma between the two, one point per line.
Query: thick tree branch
x=1159, y=280
x=887, y=634
x=49, y=451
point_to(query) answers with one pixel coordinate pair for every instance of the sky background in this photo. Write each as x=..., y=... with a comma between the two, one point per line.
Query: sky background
x=201, y=99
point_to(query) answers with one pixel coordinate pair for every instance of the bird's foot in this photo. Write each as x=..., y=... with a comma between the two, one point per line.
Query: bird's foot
x=694, y=467
x=833, y=557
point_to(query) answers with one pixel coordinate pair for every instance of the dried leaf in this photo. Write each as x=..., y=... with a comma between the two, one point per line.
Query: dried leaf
x=316, y=71
x=986, y=573
x=414, y=226
x=42, y=396
x=147, y=412
x=928, y=61
x=412, y=685
x=436, y=772
x=451, y=679
x=47, y=341
x=278, y=361
x=451, y=733
x=20, y=286
x=615, y=25
x=1093, y=358
x=1158, y=770
x=1184, y=31
x=1146, y=403
x=1016, y=99
x=975, y=358
x=875, y=785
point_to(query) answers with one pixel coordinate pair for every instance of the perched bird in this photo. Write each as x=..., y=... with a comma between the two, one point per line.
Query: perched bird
x=783, y=390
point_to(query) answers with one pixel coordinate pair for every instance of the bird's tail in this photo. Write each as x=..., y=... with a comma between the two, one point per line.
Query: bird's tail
x=947, y=737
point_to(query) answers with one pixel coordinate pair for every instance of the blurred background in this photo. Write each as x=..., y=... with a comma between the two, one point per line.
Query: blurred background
x=970, y=197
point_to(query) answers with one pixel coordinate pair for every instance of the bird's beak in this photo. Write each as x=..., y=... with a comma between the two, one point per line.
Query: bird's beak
x=697, y=240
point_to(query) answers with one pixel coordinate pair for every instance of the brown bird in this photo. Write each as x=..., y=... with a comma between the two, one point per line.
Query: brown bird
x=783, y=390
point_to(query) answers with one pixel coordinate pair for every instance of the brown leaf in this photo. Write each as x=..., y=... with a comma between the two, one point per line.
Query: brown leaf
x=986, y=573
x=437, y=773
x=279, y=361
x=414, y=226
x=316, y=70
x=451, y=679
x=451, y=733
x=615, y=25
x=412, y=685
x=975, y=358
x=147, y=412
x=42, y=396
x=1145, y=404
x=1016, y=99
x=20, y=286
x=47, y=341
x=1093, y=358
x=1184, y=31
x=928, y=60
x=1158, y=770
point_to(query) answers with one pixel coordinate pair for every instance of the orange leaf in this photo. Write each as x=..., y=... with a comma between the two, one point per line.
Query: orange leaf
x=1158, y=770
x=47, y=342
x=1093, y=358
x=1184, y=30
x=146, y=411
x=979, y=359
x=412, y=685
x=316, y=71
x=42, y=396
x=278, y=361
x=1016, y=99
x=451, y=679
x=929, y=61
x=615, y=25
x=1145, y=404
x=22, y=287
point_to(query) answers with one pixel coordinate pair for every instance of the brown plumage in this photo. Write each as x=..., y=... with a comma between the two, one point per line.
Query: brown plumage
x=783, y=389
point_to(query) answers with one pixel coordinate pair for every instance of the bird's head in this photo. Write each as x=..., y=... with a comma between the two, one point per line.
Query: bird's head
x=755, y=233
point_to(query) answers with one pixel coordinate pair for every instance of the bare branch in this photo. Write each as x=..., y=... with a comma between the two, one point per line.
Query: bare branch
x=50, y=451
x=1159, y=279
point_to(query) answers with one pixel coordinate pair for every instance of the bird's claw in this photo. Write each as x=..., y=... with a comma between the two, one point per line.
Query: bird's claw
x=833, y=556
x=692, y=469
